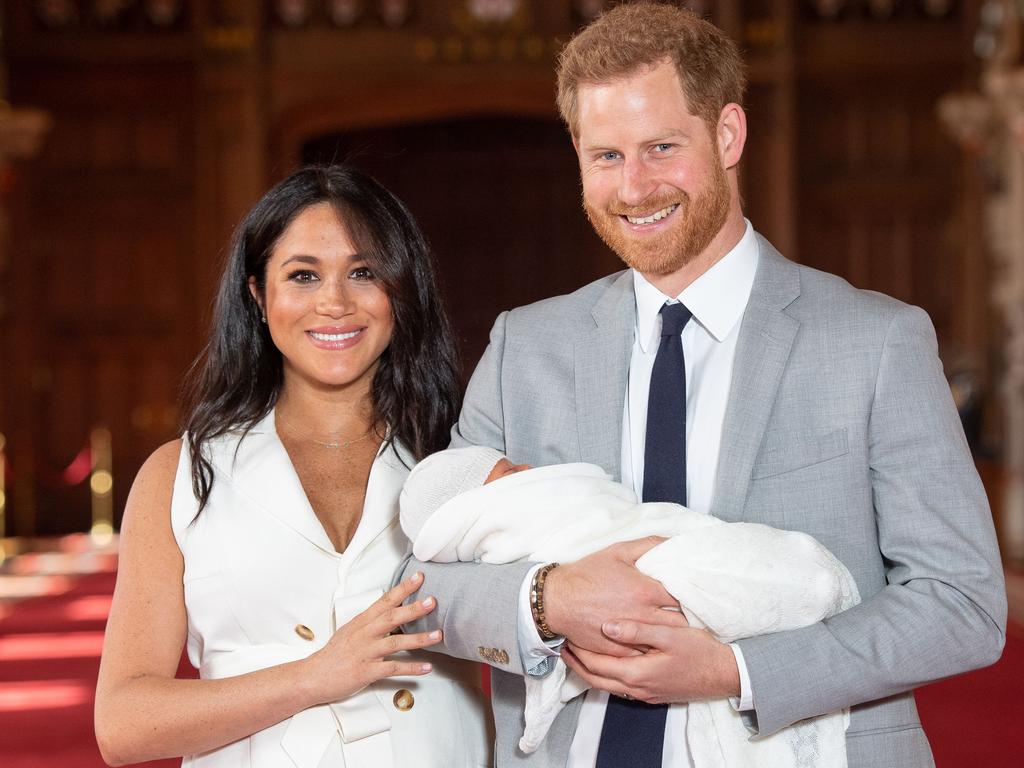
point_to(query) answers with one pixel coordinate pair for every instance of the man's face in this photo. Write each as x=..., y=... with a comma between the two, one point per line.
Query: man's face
x=654, y=186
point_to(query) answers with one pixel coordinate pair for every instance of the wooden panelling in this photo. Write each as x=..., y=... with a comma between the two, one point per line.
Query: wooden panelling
x=105, y=257
x=164, y=137
x=875, y=187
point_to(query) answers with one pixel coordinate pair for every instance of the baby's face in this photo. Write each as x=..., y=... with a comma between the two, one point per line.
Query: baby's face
x=502, y=468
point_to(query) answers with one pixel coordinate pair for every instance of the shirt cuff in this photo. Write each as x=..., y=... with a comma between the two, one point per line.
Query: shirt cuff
x=537, y=655
x=745, y=702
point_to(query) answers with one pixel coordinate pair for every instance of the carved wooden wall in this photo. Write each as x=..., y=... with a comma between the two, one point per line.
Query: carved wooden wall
x=878, y=178
x=171, y=117
x=106, y=320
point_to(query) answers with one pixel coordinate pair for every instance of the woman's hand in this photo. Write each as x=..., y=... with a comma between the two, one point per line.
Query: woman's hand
x=358, y=653
x=144, y=713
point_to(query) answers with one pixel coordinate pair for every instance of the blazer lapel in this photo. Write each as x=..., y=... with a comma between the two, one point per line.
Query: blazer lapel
x=380, y=508
x=601, y=372
x=262, y=470
x=762, y=350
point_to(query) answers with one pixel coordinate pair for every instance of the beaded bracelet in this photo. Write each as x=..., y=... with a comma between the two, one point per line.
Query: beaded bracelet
x=537, y=601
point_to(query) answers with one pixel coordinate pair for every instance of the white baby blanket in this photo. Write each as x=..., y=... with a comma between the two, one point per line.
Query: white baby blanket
x=735, y=579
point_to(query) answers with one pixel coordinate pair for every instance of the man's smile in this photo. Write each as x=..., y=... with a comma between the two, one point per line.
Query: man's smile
x=651, y=218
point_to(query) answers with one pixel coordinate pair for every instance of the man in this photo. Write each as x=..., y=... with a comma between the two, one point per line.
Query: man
x=716, y=373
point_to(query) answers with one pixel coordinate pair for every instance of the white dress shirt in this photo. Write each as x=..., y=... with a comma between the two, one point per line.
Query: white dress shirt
x=717, y=300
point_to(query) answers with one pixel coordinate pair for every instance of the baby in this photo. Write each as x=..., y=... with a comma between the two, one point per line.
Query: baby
x=735, y=579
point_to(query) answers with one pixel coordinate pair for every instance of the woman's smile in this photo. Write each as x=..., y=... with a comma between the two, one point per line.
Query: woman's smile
x=336, y=338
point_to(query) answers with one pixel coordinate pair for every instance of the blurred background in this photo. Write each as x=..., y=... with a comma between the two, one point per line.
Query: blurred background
x=155, y=124
x=886, y=145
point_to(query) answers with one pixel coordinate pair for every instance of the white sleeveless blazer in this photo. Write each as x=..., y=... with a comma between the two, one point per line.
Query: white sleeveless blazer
x=262, y=578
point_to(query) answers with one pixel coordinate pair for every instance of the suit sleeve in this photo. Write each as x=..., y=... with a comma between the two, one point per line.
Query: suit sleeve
x=943, y=609
x=477, y=604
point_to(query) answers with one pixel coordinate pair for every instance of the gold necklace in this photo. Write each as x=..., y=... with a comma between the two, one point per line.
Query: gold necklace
x=333, y=444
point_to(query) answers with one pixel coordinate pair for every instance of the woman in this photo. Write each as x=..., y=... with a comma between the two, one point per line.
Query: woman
x=267, y=536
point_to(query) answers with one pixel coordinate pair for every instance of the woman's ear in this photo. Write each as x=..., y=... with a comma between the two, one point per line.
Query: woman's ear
x=257, y=296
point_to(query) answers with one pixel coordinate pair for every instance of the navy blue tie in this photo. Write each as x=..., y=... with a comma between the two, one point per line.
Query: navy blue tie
x=633, y=733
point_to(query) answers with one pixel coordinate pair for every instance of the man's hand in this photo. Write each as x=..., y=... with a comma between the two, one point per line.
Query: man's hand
x=681, y=664
x=580, y=596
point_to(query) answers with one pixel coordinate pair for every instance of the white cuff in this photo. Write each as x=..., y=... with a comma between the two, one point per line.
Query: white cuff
x=745, y=702
x=536, y=654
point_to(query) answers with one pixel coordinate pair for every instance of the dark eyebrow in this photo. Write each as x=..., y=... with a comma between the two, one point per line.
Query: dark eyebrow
x=304, y=258
x=301, y=258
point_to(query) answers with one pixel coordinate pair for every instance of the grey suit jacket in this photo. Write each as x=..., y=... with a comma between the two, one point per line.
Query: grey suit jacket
x=839, y=424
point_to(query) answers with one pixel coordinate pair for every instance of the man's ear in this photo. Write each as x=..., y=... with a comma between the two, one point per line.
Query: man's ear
x=254, y=289
x=732, y=134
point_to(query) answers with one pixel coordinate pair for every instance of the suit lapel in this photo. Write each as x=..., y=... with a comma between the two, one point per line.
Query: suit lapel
x=601, y=372
x=762, y=350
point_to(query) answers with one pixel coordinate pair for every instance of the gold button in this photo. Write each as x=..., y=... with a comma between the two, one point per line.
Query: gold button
x=404, y=700
x=304, y=632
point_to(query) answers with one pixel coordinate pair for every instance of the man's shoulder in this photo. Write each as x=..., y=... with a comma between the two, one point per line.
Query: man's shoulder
x=839, y=295
x=572, y=310
x=824, y=296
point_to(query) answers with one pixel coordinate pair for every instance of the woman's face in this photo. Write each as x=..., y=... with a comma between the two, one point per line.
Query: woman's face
x=327, y=313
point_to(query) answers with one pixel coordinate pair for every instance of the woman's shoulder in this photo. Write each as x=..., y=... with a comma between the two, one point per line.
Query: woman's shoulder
x=161, y=467
x=149, y=501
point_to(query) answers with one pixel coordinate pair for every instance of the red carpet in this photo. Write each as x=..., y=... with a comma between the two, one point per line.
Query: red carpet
x=49, y=657
x=975, y=720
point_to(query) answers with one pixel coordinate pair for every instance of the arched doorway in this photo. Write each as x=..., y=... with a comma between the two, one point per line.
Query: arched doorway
x=498, y=198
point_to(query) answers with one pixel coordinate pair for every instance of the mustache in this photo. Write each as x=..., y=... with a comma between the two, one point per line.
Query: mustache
x=650, y=206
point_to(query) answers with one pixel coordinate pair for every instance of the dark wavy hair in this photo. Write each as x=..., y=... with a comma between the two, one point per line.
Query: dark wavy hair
x=237, y=378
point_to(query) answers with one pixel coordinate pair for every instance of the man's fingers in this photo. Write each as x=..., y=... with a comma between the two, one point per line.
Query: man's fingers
x=631, y=551
x=627, y=632
x=613, y=668
x=669, y=616
x=635, y=633
x=608, y=647
x=591, y=679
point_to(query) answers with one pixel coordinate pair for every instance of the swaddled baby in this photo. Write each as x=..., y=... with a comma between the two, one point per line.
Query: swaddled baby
x=735, y=579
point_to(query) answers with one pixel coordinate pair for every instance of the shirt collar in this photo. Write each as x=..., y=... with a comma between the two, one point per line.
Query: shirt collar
x=717, y=298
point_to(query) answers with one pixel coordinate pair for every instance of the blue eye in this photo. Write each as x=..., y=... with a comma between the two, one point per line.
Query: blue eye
x=664, y=147
x=609, y=156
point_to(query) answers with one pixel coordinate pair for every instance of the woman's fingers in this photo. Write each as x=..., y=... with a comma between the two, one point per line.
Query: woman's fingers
x=395, y=668
x=393, y=598
x=393, y=618
x=396, y=643
x=398, y=593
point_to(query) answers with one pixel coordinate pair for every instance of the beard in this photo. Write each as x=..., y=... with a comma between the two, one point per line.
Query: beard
x=698, y=219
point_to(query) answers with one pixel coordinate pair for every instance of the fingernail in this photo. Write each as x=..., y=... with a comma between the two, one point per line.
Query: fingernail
x=428, y=602
x=415, y=577
x=612, y=629
x=426, y=667
x=435, y=635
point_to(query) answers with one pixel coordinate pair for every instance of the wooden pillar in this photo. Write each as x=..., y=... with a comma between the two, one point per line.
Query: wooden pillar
x=231, y=124
x=21, y=135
